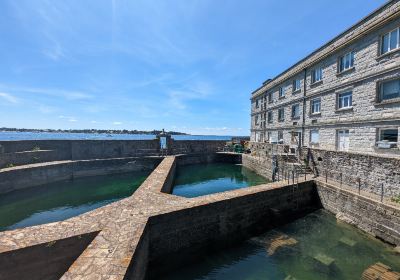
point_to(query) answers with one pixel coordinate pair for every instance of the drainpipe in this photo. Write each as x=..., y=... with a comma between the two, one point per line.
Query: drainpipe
x=304, y=107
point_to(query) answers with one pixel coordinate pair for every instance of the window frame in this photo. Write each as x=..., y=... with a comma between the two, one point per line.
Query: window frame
x=312, y=106
x=270, y=117
x=313, y=75
x=281, y=93
x=339, y=98
x=390, y=50
x=281, y=114
x=342, y=62
x=295, y=83
x=311, y=133
x=295, y=116
x=270, y=97
x=388, y=128
x=379, y=92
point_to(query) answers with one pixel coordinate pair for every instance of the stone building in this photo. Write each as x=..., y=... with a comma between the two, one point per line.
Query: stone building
x=344, y=96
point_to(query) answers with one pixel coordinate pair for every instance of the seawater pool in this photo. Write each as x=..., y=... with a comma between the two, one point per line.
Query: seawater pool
x=314, y=247
x=62, y=200
x=201, y=179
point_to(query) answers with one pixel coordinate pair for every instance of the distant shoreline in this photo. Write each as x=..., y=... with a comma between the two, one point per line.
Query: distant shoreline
x=91, y=131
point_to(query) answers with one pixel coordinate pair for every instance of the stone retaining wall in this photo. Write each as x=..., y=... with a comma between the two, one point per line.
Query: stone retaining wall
x=374, y=171
x=378, y=219
x=14, y=153
x=43, y=173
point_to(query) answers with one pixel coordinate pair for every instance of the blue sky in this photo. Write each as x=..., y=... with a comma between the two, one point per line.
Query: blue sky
x=181, y=65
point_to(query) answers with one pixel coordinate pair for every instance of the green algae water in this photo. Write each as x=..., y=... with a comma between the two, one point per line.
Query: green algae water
x=311, y=248
x=201, y=179
x=62, y=200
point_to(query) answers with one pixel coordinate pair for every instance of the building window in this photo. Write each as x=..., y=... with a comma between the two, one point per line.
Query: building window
x=270, y=116
x=314, y=136
x=346, y=62
x=316, y=106
x=389, y=90
x=388, y=136
x=281, y=92
x=390, y=41
x=295, y=111
x=280, y=136
x=343, y=140
x=316, y=75
x=345, y=100
x=281, y=114
x=296, y=85
x=270, y=97
x=256, y=120
x=269, y=137
x=257, y=103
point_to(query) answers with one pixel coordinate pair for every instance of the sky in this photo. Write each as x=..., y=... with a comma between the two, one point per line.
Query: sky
x=182, y=65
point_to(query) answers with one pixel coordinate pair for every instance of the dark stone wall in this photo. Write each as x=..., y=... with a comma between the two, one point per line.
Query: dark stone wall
x=195, y=230
x=377, y=219
x=19, y=178
x=44, y=261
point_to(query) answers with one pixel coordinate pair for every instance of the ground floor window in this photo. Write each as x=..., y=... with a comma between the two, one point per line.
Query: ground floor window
x=314, y=136
x=343, y=140
x=388, y=137
x=280, y=136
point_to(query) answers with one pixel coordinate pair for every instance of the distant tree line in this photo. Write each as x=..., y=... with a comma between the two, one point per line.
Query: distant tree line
x=99, y=131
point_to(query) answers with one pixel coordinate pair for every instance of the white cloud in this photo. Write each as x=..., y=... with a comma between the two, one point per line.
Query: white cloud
x=68, y=118
x=117, y=123
x=8, y=97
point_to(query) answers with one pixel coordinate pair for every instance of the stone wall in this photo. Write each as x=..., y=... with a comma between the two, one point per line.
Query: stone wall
x=346, y=167
x=373, y=171
x=375, y=218
x=44, y=261
x=14, y=153
x=23, y=177
x=185, y=235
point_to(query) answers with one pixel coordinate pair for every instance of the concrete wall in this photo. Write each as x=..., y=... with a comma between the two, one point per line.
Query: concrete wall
x=377, y=219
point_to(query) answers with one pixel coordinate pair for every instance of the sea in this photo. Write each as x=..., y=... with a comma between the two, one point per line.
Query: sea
x=8, y=135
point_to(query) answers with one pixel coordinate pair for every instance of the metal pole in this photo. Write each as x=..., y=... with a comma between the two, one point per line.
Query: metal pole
x=382, y=192
x=326, y=175
x=293, y=177
x=305, y=175
x=341, y=179
x=359, y=185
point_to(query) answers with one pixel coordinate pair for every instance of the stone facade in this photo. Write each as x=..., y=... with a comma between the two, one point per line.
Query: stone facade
x=370, y=172
x=363, y=120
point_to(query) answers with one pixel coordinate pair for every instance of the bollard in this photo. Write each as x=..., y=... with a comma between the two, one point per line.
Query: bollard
x=382, y=192
x=359, y=185
x=326, y=175
x=305, y=175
